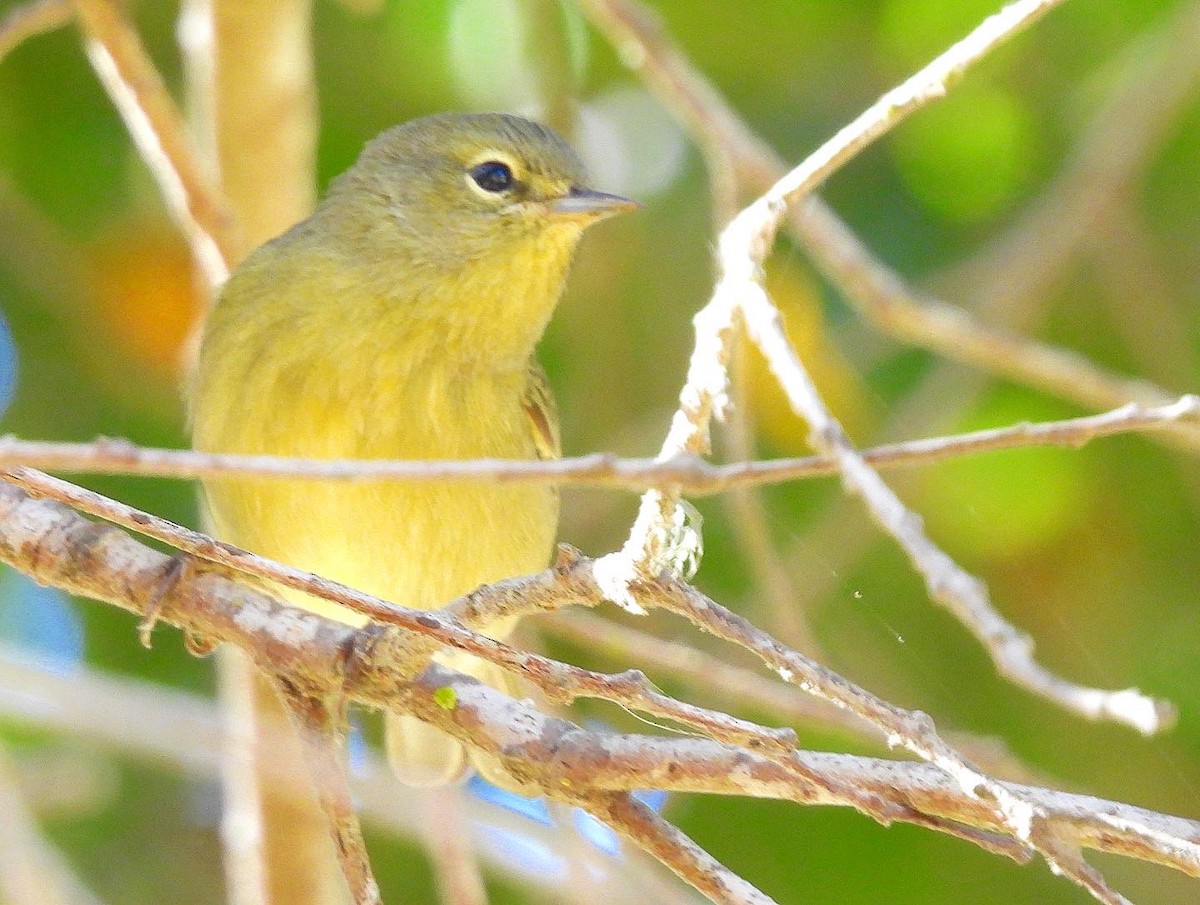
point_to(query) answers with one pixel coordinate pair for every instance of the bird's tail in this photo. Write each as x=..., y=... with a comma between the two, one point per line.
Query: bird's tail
x=423, y=755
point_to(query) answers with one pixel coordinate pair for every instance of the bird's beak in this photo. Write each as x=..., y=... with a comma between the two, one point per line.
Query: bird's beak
x=589, y=205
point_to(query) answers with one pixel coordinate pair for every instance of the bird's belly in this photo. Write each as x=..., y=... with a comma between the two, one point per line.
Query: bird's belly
x=419, y=545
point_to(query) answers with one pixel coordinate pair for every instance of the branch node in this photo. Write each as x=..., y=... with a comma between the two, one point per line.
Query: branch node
x=566, y=558
x=178, y=567
x=199, y=645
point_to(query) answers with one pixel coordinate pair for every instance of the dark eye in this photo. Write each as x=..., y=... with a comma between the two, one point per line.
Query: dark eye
x=493, y=176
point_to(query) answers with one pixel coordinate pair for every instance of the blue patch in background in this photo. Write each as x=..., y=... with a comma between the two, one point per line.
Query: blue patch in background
x=42, y=622
x=531, y=855
x=8, y=366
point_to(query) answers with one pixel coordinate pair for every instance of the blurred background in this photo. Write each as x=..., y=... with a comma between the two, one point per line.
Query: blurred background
x=985, y=199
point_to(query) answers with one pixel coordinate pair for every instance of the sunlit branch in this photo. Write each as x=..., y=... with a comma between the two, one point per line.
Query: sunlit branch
x=877, y=291
x=158, y=131
x=61, y=548
x=694, y=476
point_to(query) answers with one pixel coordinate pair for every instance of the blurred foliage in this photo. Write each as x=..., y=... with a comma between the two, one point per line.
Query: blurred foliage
x=1091, y=551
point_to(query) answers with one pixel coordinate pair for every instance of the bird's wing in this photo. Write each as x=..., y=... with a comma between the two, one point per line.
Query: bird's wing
x=539, y=405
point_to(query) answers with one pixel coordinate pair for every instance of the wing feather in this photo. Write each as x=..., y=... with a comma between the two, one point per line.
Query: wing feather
x=538, y=402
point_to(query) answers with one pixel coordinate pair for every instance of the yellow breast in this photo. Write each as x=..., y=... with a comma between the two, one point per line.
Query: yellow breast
x=371, y=397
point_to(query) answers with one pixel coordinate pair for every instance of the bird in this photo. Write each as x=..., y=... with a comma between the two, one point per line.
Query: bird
x=399, y=321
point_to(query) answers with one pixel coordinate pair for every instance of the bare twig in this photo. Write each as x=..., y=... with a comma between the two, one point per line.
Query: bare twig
x=158, y=131
x=743, y=246
x=664, y=842
x=695, y=476
x=61, y=548
x=704, y=672
x=713, y=677
x=569, y=584
x=320, y=722
x=656, y=535
x=696, y=765
x=948, y=330
x=1066, y=858
x=948, y=584
x=879, y=293
x=31, y=19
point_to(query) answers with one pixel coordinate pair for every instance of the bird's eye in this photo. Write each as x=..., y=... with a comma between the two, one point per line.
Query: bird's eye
x=493, y=176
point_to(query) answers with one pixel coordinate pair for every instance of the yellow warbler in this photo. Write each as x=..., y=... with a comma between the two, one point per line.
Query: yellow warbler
x=399, y=322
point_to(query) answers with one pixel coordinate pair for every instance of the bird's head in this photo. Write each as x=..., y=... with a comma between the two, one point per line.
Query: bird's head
x=457, y=190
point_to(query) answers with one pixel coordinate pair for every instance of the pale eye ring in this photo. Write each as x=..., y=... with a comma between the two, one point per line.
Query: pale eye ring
x=493, y=176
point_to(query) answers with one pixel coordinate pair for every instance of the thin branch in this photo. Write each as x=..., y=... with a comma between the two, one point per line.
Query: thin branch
x=1065, y=858
x=713, y=677
x=948, y=583
x=669, y=845
x=569, y=583
x=948, y=330
x=31, y=19
x=694, y=765
x=560, y=680
x=697, y=477
x=321, y=725
x=878, y=292
x=705, y=673
x=742, y=248
x=61, y=548
x=659, y=532
x=158, y=131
